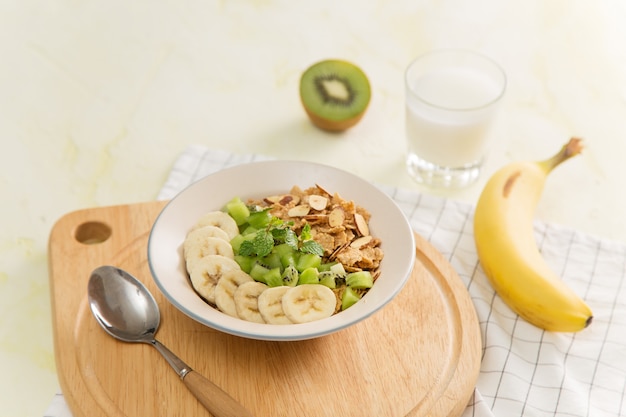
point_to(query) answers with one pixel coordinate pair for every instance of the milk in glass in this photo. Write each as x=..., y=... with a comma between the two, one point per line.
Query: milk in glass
x=442, y=137
x=449, y=108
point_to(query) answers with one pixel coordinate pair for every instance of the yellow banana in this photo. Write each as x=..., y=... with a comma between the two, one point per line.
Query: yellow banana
x=508, y=253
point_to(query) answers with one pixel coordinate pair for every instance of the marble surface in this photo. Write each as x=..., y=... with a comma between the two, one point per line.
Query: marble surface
x=99, y=97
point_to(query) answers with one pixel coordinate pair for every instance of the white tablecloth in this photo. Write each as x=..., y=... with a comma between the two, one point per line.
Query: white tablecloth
x=525, y=371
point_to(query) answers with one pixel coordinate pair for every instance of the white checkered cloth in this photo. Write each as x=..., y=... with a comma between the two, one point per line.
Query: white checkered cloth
x=524, y=371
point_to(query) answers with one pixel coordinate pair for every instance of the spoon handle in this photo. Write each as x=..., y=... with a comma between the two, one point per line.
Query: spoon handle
x=175, y=362
x=212, y=397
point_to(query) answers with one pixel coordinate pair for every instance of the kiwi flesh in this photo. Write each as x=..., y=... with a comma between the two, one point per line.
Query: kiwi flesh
x=335, y=94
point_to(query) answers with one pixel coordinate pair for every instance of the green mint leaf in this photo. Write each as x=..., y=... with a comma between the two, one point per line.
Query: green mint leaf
x=263, y=243
x=279, y=234
x=311, y=246
x=305, y=234
x=276, y=222
x=284, y=234
x=291, y=238
x=246, y=248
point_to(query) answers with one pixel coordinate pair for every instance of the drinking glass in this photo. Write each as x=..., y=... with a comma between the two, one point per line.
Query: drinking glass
x=451, y=98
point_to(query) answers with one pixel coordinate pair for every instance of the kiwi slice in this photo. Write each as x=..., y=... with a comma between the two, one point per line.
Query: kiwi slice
x=335, y=94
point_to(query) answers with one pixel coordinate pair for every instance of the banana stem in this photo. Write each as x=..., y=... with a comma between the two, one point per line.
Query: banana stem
x=570, y=149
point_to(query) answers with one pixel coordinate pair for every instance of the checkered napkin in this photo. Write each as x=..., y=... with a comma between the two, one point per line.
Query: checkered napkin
x=525, y=371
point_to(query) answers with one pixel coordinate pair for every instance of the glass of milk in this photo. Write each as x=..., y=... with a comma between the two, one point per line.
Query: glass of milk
x=451, y=98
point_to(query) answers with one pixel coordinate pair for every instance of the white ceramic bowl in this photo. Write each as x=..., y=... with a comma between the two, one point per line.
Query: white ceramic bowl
x=261, y=179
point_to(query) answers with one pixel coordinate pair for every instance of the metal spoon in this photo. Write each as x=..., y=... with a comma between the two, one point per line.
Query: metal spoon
x=127, y=311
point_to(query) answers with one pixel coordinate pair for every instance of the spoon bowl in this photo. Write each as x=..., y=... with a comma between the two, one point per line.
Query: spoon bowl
x=122, y=305
x=126, y=310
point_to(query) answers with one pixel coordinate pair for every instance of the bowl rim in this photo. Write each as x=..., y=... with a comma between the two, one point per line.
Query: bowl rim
x=292, y=332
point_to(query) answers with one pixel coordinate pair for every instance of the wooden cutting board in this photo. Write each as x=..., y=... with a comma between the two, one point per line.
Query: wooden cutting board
x=418, y=356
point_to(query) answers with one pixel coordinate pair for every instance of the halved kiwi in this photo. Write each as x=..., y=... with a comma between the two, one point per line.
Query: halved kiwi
x=335, y=94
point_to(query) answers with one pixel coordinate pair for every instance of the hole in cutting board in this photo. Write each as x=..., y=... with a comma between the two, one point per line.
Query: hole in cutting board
x=91, y=233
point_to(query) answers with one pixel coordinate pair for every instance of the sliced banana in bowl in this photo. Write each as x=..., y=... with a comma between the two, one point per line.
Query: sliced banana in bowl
x=220, y=220
x=246, y=299
x=227, y=287
x=208, y=271
x=196, y=250
x=270, y=304
x=308, y=302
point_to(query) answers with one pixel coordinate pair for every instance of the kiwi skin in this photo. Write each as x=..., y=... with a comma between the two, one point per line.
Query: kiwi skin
x=342, y=70
x=332, y=125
